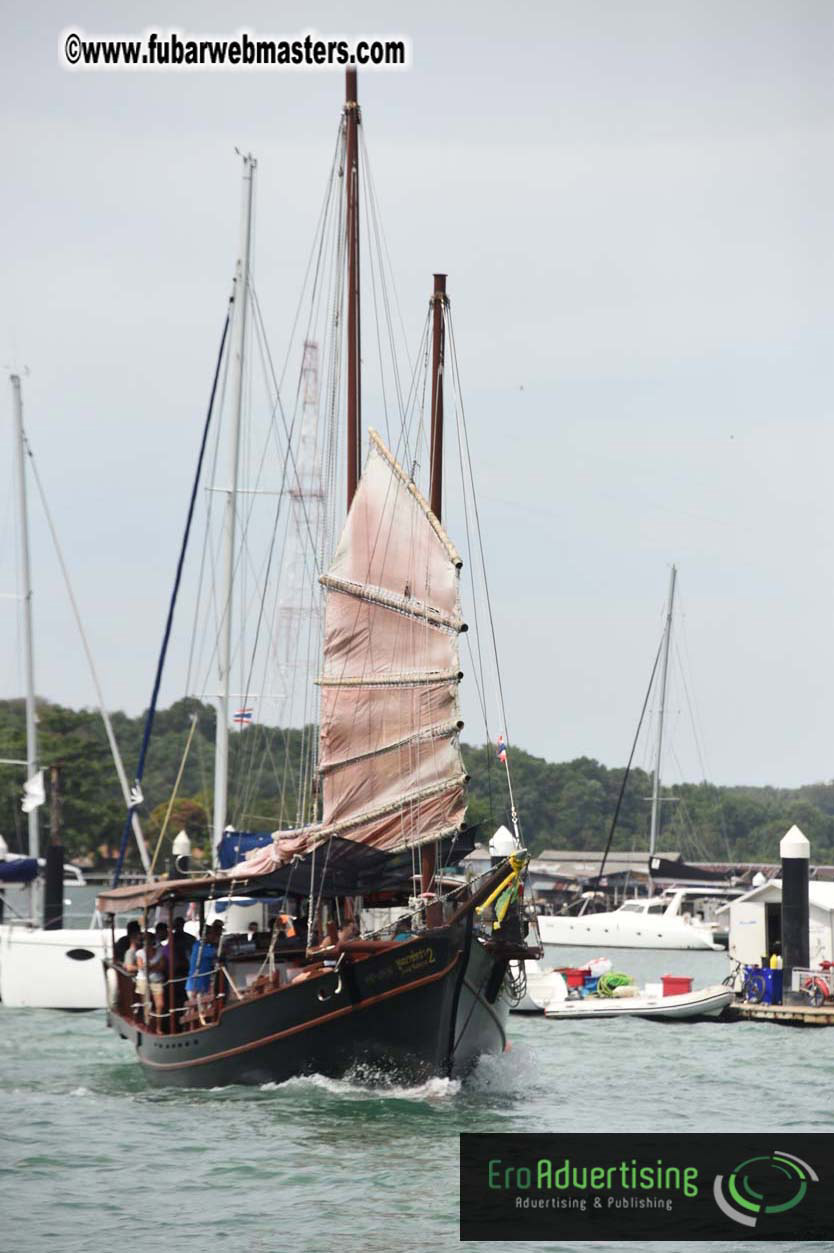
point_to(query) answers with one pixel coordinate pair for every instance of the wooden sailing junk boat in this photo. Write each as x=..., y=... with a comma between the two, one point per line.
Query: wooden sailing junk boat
x=428, y=994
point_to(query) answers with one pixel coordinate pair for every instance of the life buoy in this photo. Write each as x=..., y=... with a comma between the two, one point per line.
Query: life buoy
x=816, y=989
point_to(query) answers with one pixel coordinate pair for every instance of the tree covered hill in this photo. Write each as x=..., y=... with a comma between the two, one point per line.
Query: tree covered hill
x=561, y=804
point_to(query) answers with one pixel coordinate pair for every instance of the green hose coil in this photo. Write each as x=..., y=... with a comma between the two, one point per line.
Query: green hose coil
x=607, y=983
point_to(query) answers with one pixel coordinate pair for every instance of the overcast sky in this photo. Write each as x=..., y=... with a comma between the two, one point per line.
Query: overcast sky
x=633, y=202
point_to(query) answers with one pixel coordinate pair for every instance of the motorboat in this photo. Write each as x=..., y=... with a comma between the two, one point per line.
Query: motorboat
x=680, y=918
x=704, y=1003
x=543, y=984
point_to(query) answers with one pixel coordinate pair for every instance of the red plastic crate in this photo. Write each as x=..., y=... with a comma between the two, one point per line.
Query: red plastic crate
x=574, y=977
x=676, y=985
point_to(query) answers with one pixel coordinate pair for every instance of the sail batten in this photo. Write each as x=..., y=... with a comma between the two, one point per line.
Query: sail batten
x=442, y=732
x=404, y=604
x=414, y=679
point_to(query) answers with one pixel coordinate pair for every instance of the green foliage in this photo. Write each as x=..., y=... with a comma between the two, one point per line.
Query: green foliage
x=561, y=804
x=264, y=771
x=571, y=805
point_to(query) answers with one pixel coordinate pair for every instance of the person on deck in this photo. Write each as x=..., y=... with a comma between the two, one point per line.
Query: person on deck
x=129, y=940
x=198, y=986
x=142, y=955
x=182, y=945
x=402, y=928
x=330, y=940
x=185, y=938
x=150, y=974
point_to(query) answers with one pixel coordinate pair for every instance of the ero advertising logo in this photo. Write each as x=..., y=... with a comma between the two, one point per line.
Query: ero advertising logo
x=646, y=1187
x=772, y=1184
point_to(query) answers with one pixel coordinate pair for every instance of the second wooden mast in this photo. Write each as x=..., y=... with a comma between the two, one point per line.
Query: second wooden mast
x=439, y=300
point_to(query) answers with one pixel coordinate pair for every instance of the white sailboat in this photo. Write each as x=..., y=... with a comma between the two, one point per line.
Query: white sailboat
x=42, y=964
x=680, y=918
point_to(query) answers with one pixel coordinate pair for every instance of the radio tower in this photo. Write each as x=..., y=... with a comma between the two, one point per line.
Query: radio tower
x=299, y=615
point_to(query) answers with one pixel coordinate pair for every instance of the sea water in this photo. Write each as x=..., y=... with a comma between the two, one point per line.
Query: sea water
x=92, y=1159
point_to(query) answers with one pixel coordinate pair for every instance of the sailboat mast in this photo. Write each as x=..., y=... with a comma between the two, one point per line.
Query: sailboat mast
x=438, y=302
x=428, y=855
x=241, y=303
x=354, y=378
x=667, y=637
x=29, y=652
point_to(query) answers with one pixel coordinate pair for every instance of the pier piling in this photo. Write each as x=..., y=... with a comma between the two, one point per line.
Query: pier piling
x=795, y=852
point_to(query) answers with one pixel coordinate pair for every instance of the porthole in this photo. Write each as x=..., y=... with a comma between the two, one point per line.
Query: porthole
x=80, y=954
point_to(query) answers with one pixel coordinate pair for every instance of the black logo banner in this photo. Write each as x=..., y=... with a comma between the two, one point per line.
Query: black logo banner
x=756, y=1186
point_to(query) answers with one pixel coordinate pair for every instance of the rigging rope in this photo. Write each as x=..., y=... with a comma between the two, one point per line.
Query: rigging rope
x=613, y=828
x=171, y=606
x=176, y=789
x=105, y=717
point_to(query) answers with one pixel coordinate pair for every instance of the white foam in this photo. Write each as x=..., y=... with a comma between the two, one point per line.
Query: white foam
x=368, y=1083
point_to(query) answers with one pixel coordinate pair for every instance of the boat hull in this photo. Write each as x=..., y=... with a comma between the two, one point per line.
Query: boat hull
x=428, y=1007
x=59, y=969
x=705, y=1003
x=604, y=931
x=543, y=987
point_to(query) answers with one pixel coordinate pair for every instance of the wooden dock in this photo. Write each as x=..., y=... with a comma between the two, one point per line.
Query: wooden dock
x=786, y=1015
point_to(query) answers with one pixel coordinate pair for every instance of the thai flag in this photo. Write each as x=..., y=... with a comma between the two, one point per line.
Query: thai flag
x=502, y=750
x=242, y=717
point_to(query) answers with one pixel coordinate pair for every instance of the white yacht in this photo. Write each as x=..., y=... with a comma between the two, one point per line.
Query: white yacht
x=680, y=918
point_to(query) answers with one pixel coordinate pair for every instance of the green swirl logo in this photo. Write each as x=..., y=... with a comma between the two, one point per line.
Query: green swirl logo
x=763, y=1185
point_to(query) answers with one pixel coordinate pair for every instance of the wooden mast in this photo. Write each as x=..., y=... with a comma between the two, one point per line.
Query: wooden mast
x=438, y=302
x=354, y=379
x=428, y=854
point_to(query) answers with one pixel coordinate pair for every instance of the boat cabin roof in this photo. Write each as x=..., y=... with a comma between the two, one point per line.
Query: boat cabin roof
x=342, y=868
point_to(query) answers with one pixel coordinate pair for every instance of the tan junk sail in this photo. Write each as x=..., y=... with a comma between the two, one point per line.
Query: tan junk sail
x=391, y=769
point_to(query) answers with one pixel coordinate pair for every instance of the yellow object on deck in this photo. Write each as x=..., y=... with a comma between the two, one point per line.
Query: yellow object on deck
x=517, y=862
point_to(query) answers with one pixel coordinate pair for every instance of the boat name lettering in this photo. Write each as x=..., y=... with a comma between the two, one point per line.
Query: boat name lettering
x=416, y=960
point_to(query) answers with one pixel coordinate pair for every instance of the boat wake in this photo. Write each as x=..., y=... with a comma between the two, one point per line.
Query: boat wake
x=365, y=1082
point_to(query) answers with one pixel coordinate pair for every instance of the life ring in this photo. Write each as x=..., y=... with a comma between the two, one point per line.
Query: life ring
x=816, y=990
